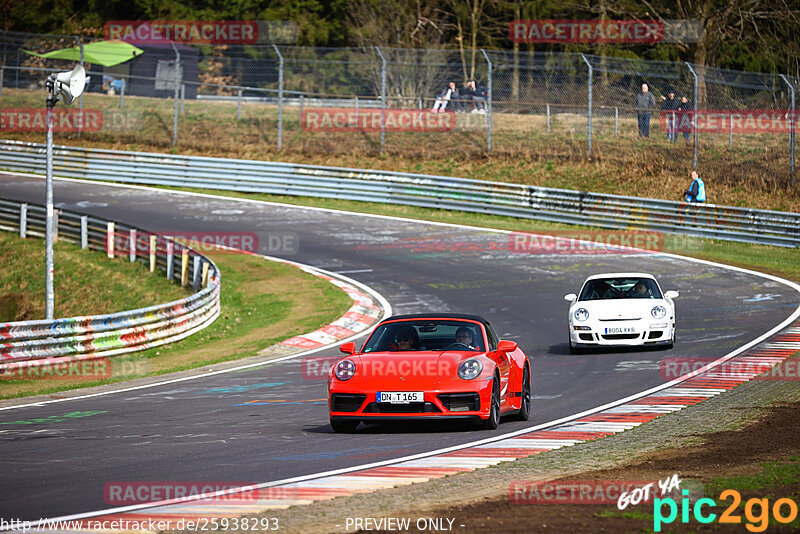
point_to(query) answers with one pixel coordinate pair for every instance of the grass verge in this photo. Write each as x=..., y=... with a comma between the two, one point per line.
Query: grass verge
x=84, y=282
x=263, y=302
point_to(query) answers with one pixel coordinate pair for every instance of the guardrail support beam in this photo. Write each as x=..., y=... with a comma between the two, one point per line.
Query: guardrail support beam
x=184, y=267
x=84, y=232
x=110, y=239
x=132, y=242
x=23, y=221
x=153, y=240
x=170, y=264
x=196, y=272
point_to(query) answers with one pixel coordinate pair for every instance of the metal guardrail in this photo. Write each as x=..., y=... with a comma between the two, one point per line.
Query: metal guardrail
x=496, y=198
x=42, y=342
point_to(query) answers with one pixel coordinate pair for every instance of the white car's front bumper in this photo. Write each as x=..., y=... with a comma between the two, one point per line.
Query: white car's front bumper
x=620, y=333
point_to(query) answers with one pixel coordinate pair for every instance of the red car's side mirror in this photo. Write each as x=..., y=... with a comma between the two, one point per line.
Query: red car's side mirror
x=506, y=346
x=348, y=348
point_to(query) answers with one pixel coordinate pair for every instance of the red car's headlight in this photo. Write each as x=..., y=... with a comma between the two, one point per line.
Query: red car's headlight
x=345, y=370
x=470, y=369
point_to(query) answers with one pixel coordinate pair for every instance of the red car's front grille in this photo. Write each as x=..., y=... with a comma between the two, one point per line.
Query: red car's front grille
x=416, y=407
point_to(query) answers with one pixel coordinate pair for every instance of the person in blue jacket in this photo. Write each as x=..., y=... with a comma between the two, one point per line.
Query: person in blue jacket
x=696, y=191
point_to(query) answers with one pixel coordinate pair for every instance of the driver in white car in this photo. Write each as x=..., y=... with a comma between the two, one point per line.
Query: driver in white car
x=640, y=290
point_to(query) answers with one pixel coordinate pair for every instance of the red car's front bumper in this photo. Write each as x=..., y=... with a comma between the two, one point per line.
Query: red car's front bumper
x=348, y=405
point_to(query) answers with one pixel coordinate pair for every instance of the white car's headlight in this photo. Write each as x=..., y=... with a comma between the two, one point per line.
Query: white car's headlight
x=345, y=370
x=581, y=314
x=470, y=369
x=658, y=312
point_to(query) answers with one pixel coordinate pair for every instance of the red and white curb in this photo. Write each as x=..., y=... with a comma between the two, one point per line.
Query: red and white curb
x=362, y=315
x=704, y=384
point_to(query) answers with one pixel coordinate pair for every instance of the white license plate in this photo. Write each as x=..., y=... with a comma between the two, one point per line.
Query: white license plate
x=621, y=330
x=401, y=397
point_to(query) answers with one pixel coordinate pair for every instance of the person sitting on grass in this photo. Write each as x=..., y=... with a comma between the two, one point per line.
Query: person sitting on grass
x=696, y=191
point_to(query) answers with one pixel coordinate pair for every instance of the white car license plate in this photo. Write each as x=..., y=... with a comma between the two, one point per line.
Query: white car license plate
x=621, y=330
x=401, y=397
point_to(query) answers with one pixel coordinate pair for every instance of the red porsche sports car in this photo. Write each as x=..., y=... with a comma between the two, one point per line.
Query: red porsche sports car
x=442, y=366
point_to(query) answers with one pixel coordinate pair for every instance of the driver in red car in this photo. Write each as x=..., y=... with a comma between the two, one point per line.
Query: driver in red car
x=464, y=337
x=406, y=339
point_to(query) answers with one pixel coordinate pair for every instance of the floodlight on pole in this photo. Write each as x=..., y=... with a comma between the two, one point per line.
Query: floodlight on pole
x=68, y=85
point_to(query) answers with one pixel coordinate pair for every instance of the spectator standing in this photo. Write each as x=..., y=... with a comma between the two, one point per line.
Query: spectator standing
x=645, y=102
x=696, y=191
x=444, y=97
x=669, y=111
x=685, y=110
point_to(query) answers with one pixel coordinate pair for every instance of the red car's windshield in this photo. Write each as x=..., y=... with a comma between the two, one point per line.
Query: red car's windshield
x=403, y=336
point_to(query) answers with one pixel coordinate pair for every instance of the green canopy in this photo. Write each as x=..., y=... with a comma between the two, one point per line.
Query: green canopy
x=105, y=53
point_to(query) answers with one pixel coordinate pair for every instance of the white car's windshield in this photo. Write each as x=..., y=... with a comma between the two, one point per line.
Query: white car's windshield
x=620, y=288
x=403, y=336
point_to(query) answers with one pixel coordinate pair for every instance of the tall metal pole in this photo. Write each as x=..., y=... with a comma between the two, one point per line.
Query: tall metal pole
x=177, y=92
x=280, y=97
x=694, y=119
x=383, y=98
x=792, y=122
x=48, y=254
x=488, y=103
x=589, y=112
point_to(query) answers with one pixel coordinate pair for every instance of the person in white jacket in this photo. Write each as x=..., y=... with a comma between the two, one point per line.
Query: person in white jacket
x=444, y=97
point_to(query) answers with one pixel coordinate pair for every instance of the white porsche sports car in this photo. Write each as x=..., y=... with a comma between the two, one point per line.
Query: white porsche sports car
x=621, y=309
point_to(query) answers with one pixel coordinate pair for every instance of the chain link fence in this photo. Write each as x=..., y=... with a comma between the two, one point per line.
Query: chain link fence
x=536, y=105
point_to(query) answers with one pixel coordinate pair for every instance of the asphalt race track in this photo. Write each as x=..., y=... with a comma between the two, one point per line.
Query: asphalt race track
x=271, y=423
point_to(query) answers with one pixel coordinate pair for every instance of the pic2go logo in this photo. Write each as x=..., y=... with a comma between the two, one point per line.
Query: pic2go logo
x=757, y=521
